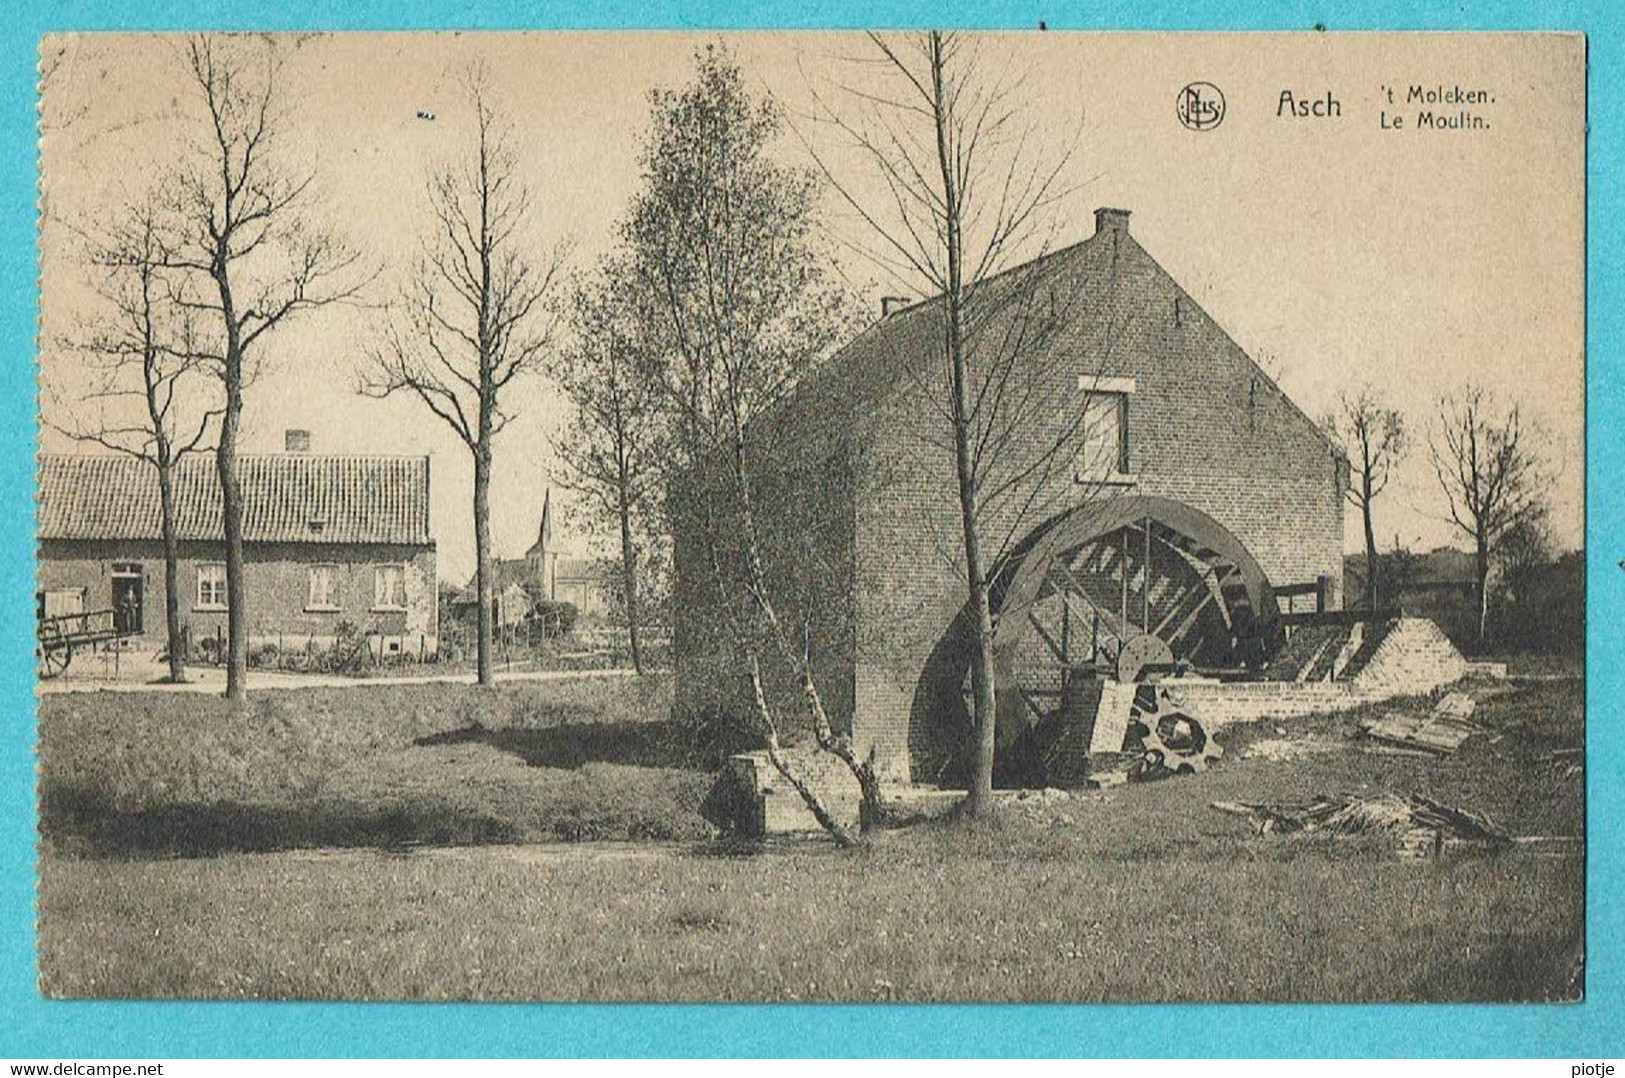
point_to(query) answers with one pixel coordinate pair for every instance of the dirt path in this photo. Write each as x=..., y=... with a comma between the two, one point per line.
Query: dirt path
x=211, y=680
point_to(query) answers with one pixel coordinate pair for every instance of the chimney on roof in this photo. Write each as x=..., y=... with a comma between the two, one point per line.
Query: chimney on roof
x=296, y=441
x=1108, y=219
x=890, y=305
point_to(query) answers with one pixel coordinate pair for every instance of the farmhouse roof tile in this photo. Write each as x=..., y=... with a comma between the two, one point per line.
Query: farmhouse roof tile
x=292, y=497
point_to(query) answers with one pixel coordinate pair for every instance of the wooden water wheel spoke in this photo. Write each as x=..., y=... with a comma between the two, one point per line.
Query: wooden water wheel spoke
x=1071, y=589
x=1089, y=582
x=1188, y=620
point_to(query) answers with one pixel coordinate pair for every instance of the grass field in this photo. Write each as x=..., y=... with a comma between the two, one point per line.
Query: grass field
x=151, y=774
x=1139, y=893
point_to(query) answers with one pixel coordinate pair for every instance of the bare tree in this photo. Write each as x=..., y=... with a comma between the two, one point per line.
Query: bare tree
x=967, y=197
x=474, y=317
x=610, y=447
x=252, y=259
x=144, y=371
x=1373, y=437
x=1488, y=476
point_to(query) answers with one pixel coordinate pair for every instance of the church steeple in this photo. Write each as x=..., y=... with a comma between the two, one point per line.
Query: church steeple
x=544, y=534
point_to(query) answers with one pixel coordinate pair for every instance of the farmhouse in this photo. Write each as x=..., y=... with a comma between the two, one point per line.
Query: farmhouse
x=1165, y=506
x=327, y=540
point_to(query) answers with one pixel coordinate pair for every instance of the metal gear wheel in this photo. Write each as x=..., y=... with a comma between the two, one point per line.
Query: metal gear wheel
x=1172, y=740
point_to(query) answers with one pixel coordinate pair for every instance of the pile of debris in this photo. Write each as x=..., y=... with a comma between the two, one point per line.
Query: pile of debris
x=1438, y=733
x=1111, y=732
x=1420, y=824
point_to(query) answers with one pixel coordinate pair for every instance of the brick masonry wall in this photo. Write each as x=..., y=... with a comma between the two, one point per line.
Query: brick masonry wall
x=779, y=807
x=277, y=577
x=1205, y=427
x=800, y=470
x=1415, y=659
x=1415, y=656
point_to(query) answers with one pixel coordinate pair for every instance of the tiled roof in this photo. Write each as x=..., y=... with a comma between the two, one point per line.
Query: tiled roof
x=592, y=570
x=287, y=497
x=509, y=572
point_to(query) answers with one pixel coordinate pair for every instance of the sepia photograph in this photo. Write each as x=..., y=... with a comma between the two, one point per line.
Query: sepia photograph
x=812, y=516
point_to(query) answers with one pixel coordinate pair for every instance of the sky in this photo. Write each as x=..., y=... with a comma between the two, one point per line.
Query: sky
x=1339, y=250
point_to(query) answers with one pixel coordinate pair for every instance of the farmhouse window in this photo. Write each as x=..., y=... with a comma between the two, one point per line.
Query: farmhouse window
x=323, y=588
x=389, y=587
x=211, y=586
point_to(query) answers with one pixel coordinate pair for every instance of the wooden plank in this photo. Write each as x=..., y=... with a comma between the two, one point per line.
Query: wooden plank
x=1336, y=617
x=1436, y=734
x=1455, y=705
x=1112, y=718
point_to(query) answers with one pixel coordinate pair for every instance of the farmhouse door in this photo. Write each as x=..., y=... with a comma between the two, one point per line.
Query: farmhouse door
x=128, y=598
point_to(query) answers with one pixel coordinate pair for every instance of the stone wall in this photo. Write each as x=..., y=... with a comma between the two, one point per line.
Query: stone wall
x=1414, y=659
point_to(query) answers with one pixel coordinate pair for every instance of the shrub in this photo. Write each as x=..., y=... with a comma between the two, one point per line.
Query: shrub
x=349, y=653
x=557, y=618
x=209, y=649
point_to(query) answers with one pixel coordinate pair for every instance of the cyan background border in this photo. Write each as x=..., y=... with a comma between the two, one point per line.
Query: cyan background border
x=31, y=1027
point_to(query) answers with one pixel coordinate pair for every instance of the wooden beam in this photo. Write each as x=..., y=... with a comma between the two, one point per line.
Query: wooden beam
x=1218, y=587
x=1125, y=577
x=1074, y=587
x=1185, y=623
x=1145, y=577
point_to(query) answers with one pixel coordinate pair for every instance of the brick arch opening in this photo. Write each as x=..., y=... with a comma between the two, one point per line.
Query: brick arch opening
x=1068, y=597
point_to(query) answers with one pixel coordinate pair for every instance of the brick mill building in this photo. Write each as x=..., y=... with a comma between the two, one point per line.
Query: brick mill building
x=1197, y=503
x=327, y=540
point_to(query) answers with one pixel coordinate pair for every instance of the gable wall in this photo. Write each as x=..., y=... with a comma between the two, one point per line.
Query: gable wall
x=1205, y=427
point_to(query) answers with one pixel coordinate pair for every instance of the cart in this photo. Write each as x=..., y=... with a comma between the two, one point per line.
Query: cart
x=60, y=636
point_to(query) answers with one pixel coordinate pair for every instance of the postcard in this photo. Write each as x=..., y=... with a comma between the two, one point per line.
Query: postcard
x=788, y=516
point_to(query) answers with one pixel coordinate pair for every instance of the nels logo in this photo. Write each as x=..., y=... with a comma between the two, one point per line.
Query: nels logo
x=1201, y=106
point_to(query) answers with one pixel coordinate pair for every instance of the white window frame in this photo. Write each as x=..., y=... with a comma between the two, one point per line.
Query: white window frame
x=380, y=601
x=202, y=602
x=1097, y=388
x=331, y=604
